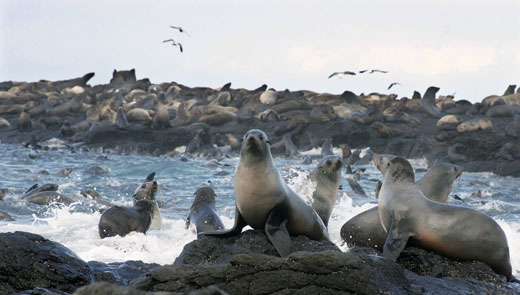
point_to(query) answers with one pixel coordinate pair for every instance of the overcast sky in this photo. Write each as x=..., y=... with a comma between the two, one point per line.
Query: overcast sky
x=468, y=47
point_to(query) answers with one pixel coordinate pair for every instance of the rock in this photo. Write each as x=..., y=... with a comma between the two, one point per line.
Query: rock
x=503, y=111
x=513, y=129
x=326, y=272
x=120, y=272
x=212, y=250
x=28, y=261
x=104, y=288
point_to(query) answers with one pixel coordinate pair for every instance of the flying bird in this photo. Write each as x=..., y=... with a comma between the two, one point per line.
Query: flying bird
x=173, y=43
x=341, y=74
x=373, y=71
x=393, y=84
x=180, y=30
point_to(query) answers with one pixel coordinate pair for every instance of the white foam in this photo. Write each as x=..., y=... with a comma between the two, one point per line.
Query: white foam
x=512, y=231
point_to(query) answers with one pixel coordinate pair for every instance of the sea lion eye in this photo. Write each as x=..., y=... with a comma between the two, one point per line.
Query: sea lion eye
x=260, y=137
x=329, y=162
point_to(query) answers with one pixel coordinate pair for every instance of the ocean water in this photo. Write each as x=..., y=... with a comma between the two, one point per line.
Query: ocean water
x=76, y=225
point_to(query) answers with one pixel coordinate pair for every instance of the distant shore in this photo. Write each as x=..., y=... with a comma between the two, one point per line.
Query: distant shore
x=157, y=118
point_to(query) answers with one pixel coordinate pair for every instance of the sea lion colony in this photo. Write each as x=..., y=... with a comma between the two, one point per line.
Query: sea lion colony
x=128, y=109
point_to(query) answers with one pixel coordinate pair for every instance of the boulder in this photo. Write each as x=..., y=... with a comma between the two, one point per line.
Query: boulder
x=28, y=261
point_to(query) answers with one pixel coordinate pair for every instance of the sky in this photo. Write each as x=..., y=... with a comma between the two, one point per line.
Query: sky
x=470, y=48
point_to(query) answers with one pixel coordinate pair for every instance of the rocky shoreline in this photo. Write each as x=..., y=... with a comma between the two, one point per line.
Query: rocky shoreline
x=244, y=264
x=483, y=136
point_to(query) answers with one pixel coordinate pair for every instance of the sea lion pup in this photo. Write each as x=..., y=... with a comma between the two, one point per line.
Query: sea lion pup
x=327, y=177
x=456, y=232
x=265, y=201
x=203, y=213
x=122, y=220
x=147, y=191
x=365, y=229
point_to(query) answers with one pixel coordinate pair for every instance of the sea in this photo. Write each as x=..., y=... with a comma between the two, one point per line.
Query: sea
x=76, y=225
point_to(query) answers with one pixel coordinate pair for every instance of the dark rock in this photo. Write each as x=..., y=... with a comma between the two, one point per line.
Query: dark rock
x=120, y=272
x=326, y=272
x=28, y=261
x=104, y=288
x=211, y=250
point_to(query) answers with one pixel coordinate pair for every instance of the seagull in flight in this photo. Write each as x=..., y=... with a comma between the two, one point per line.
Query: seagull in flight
x=180, y=30
x=341, y=74
x=393, y=84
x=373, y=71
x=173, y=43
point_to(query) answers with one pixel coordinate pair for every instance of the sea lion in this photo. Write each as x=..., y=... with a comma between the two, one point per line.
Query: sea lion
x=3, y=193
x=428, y=102
x=456, y=232
x=326, y=148
x=203, y=213
x=365, y=229
x=4, y=123
x=356, y=188
x=327, y=177
x=52, y=187
x=47, y=198
x=120, y=120
x=147, y=191
x=93, y=195
x=24, y=121
x=123, y=220
x=64, y=172
x=265, y=201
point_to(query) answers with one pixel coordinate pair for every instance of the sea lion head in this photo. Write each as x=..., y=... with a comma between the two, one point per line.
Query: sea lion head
x=399, y=170
x=146, y=191
x=204, y=195
x=255, y=143
x=381, y=161
x=329, y=168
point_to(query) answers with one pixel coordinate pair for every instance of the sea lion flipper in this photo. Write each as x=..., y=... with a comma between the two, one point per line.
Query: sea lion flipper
x=32, y=188
x=396, y=240
x=276, y=231
x=240, y=223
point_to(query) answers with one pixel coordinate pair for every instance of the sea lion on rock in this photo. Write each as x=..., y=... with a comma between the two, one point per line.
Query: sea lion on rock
x=24, y=121
x=203, y=212
x=147, y=191
x=327, y=177
x=122, y=220
x=4, y=123
x=428, y=102
x=365, y=229
x=265, y=201
x=456, y=232
x=121, y=122
x=138, y=115
x=448, y=122
x=474, y=125
x=269, y=97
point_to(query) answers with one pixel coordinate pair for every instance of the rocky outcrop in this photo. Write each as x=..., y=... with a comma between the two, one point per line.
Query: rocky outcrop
x=28, y=261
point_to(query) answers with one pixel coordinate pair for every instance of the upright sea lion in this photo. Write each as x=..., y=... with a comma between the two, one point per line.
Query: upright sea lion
x=3, y=193
x=203, y=213
x=428, y=102
x=121, y=121
x=456, y=232
x=327, y=177
x=123, y=220
x=365, y=229
x=147, y=191
x=265, y=201
x=25, y=121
